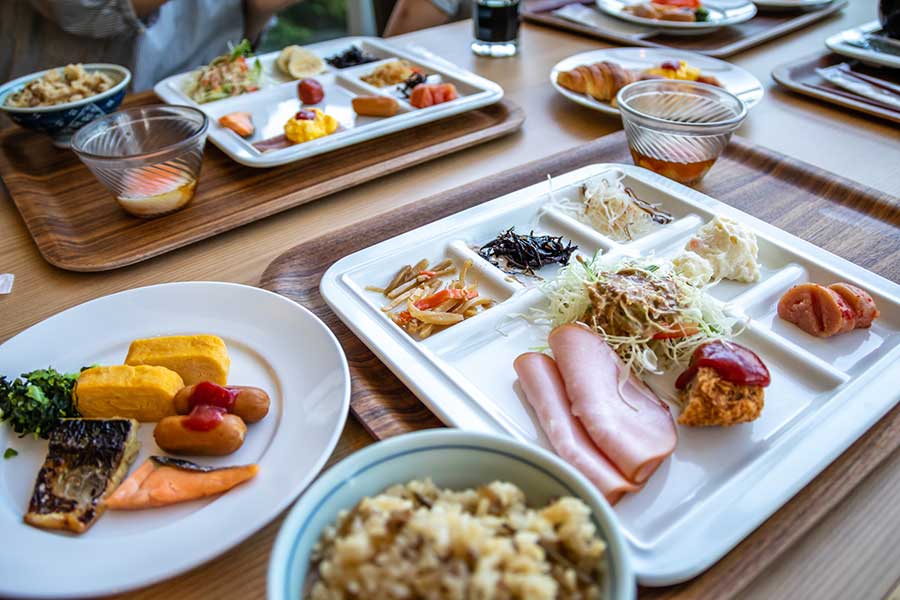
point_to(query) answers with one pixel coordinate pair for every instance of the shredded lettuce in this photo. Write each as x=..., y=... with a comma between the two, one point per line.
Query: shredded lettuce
x=631, y=326
x=243, y=48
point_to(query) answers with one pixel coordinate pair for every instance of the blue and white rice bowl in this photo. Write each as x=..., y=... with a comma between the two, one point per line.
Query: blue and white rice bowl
x=453, y=459
x=61, y=121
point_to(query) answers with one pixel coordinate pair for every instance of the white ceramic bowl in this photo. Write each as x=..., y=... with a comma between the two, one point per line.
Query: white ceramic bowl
x=452, y=458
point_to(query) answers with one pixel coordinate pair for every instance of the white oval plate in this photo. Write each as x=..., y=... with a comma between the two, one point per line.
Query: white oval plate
x=736, y=80
x=721, y=13
x=273, y=342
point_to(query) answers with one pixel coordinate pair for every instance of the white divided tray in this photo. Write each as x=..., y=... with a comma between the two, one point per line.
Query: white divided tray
x=276, y=101
x=721, y=483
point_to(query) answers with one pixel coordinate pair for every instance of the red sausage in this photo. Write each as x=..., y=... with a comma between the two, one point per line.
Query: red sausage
x=860, y=301
x=546, y=393
x=817, y=310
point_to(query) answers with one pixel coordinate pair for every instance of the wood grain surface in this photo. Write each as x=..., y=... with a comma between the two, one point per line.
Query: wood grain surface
x=800, y=76
x=77, y=225
x=855, y=222
x=851, y=553
x=765, y=26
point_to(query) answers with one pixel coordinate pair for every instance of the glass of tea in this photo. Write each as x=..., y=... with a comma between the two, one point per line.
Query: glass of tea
x=678, y=128
x=496, y=27
x=148, y=157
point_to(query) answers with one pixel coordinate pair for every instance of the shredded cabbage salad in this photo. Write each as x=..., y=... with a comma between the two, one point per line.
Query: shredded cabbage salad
x=652, y=316
x=612, y=209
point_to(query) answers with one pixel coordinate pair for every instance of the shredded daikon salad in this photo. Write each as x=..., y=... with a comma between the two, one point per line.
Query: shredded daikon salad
x=647, y=312
x=613, y=209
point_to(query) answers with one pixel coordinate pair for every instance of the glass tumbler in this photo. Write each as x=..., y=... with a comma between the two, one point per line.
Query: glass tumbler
x=496, y=25
x=149, y=157
x=678, y=128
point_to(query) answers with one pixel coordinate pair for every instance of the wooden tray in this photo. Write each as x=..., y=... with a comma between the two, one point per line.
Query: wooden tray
x=765, y=26
x=77, y=225
x=848, y=219
x=801, y=77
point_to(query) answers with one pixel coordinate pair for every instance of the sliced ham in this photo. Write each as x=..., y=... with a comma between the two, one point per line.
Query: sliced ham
x=860, y=301
x=817, y=310
x=630, y=426
x=545, y=391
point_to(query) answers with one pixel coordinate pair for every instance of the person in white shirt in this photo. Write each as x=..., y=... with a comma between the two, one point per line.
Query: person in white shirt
x=153, y=38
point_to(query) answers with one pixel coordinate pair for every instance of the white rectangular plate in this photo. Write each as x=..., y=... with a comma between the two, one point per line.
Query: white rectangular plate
x=721, y=483
x=277, y=101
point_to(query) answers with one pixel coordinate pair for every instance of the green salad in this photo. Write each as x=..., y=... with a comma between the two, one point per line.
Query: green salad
x=231, y=74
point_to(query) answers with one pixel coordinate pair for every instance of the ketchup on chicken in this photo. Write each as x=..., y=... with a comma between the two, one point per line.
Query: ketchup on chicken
x=733, y=363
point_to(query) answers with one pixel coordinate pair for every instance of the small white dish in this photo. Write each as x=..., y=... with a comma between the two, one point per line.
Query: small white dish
x=454, y=459
x=736, y=80
x=846, y=43
x=273, y=343
x=721, y=14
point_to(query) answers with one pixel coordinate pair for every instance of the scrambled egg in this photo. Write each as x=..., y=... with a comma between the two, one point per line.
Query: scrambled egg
x=299, y=130
x=684, y=71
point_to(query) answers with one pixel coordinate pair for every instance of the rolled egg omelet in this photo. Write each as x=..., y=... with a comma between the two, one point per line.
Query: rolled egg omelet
x=143, y=392
x=195, y=357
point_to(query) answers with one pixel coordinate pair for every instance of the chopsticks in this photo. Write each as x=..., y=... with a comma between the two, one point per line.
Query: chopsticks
x=847, y=83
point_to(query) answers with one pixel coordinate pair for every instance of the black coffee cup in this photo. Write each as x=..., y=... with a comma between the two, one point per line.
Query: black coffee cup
x=889, y=15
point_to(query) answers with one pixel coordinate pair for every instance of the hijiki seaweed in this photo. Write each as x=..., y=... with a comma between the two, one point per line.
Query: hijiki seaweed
x=517, y=253
x=411, y=82
x=350, y=57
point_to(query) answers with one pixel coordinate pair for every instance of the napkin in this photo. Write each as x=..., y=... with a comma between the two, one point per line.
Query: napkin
x=882, y=92
x=6, y=282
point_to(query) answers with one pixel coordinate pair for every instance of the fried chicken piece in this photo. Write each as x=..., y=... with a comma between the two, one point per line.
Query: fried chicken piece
x=709, y=400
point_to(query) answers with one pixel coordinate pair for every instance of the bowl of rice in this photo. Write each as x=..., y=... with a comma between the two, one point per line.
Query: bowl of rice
x=446, y=513
x=61, y=100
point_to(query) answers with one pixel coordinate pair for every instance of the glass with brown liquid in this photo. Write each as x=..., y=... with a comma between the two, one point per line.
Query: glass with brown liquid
x=678, y=129
x=687, y=173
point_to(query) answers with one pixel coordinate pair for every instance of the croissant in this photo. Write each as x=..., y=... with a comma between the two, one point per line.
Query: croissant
x=601, y=81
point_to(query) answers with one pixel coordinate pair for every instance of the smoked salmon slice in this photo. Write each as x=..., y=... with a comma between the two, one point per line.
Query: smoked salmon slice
x=162, y=481
x=239, y=122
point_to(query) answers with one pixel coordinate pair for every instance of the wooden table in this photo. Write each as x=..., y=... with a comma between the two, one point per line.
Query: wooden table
x=853, y=554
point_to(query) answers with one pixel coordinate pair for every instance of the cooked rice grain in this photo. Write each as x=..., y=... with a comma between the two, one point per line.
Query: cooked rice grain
x=419, y=541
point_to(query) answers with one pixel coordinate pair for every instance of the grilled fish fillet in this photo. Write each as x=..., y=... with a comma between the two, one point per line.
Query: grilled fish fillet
x=86, y=461
x=163, y=480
